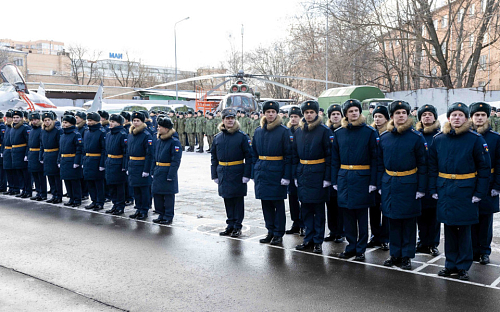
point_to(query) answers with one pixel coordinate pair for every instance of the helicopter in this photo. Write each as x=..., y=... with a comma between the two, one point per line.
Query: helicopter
x=241, y=96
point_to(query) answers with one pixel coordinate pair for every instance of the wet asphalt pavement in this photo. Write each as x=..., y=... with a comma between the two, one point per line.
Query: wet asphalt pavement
x=54, y=258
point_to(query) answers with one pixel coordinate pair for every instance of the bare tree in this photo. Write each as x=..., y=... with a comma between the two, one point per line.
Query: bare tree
x=83, y=65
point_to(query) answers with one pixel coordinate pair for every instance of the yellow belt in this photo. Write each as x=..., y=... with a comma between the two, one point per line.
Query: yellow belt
x=19, y=145
x=492, y=170
x=137, y=158
x=312, y=162
x=92, y=155
x=355, y=167
x=34, y=149
x=68, y=155
x=401, y=173
x=271, y=157
x=230, y=163
x=457, y=176
x=163, y=164
x=8, y=147
x=51, y=150
x=115, y=156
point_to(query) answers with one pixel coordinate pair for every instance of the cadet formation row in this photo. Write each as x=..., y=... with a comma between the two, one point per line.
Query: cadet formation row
x=398, y=174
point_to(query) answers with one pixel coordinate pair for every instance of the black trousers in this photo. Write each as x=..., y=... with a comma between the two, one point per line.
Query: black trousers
x=96, y=191
x=274, y=216
x=235, y=212
x=429, y=229
x=142, y=197
x=164, y=205
x=74, y=190
x=3, y=179
x=56, y=186
x=24, y=177
x=85, y=187
x=458, y=247
x=335, y=217
x=482, y=234
x=295, y=213
x=40, y=183
x=117, y=195
x=356, y=230
x=129, y=192
x=379, y=224
x=13, y=180
x=403, y=237
x=314, y=221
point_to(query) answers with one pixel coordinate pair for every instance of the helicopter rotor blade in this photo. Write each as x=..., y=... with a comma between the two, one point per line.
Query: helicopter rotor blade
x=286, y=87
x=217, y=87
x=302, y=78
x=176, y=82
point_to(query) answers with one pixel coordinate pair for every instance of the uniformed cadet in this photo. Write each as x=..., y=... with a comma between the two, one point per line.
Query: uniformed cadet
x=129, y=190
x=334, y=215
x=190, y=129
x=153, y=116
x=181, y=130
x=402, y=181
x=200, y=125
x=104, y=120
x=34, y=165
x=126, y=121
x=116, y=163
x=140, y=156
x=19, y=136
x=312, y=173
x=49, y=153
x=413, y=116
x=173, y=118
x=293, y=199
x=149, y=124
x=493, y=117
x=354, y=176
x=14, y=183
x=3, y=176
x=255, y=123
x=379, y=224
x=482, y=232
x=231, y=169
x=459, y=175
x=210, y=130
x=272, y=160
x=497, y=121
x=166, y=162
x=429, y=229
x=70, y=160
x=94, y=156
x=81, y=126
x=369, y=117
x=285, y=118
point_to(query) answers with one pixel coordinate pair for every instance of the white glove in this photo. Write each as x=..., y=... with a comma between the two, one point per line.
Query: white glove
x=326, y=183
x=245, y=180
x=435, y=196
x=127, y=172
x=124, y=170
x=296, y=183
x=1, y=155
x=285, y=181
x=216, y=181
x=169, y=180
x=25, y=158
x=145, y=174
x=475, y=199
x=372, y=188
x=494, y=193
x=380, y=192
x=58, y=165
x=335, y=187
x=75, y=166
x=101, y=168
x=41, y=161
x=419, y=195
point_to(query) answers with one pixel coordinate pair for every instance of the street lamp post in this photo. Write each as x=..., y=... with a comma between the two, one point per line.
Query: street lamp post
x=175, y=47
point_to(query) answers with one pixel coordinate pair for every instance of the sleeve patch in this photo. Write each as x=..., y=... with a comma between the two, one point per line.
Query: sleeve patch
x=331, y=138
x=425, y=144
x=291, y=138
x=125, y=140
x=80, y=140
x=250, y=142
x=485, y=147
x=177, y=148
x=150, y=142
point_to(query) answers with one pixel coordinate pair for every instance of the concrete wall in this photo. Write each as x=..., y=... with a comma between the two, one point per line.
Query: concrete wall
x=442, y=98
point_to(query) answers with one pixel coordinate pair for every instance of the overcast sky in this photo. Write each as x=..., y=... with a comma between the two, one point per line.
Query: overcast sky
x=146, y=28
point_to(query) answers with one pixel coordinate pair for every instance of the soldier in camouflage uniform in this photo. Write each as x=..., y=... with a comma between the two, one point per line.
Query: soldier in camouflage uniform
x=200, y=130
x=190, y=128
x=413, y=115
x=369, y=117
x=173, y=118
x=211, y=130
x=496, y=121
x=285, y=118
x=181, y=129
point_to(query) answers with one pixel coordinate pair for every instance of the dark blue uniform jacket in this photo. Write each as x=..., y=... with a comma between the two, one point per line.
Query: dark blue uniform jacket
x=94, y=143
x=19, y=135
x=70, y=143
x=140, y=144
x=116, y=145
x=50, y=138
x=34, y=164
x=168, y=149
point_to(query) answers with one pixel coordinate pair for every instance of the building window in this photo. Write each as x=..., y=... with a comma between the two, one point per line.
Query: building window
x=434, y=71
x=481, y=83
x=482, y=62
x=18, y=62
x=444, y=21
x=483, y=5
x=460, y=15
x=472, y=10
x=471, y=40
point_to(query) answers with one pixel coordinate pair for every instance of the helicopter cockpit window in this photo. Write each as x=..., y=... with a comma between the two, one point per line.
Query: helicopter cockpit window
x=6, y=87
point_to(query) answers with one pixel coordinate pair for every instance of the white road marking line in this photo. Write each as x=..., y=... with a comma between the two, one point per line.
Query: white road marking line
x=494, y=285
x=420, y=268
